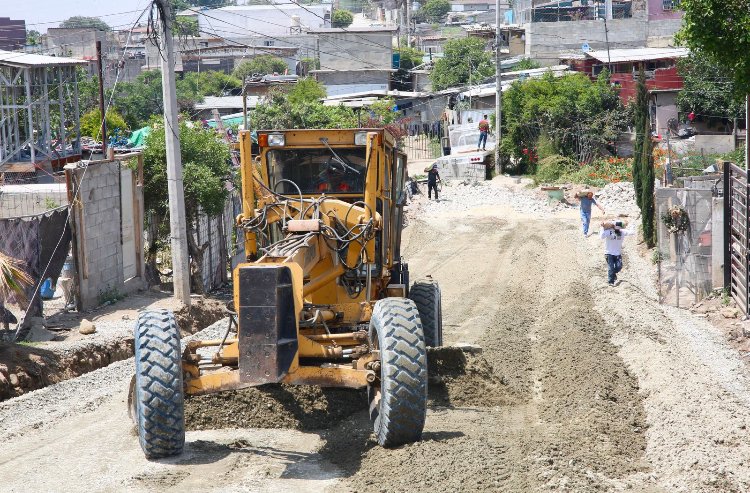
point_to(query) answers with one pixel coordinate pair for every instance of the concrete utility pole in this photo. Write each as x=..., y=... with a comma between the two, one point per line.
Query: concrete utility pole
x=408, y=23
x=103, y=125
x=498, y=90
x=177, y=221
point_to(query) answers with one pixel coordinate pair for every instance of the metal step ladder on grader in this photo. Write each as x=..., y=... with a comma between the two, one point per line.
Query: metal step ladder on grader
x=323, y=299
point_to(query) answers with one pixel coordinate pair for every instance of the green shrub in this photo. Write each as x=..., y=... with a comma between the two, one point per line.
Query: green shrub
x=552, y=168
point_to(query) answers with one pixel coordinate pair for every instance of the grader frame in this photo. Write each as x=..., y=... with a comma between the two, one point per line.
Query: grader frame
x=323, y=298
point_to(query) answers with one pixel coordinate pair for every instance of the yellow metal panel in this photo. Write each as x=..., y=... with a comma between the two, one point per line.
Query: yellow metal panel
x=337, y=376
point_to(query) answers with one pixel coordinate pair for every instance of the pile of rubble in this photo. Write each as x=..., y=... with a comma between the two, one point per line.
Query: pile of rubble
x=461, y=196
x=618, y=198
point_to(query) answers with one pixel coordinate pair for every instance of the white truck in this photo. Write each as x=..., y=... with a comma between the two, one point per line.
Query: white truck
x=464, y=160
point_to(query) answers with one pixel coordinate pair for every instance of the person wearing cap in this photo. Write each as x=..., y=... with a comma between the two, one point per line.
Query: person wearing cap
x=613, y=233
x=587, y=200
x=433, y=177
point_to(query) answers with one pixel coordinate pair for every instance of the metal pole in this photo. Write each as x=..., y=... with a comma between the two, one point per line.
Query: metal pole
x=747, y=132
x=408, y=23
x=244, y=102
x=100, y=70
x=177, y=219
x=727, y=227
x=498, y=90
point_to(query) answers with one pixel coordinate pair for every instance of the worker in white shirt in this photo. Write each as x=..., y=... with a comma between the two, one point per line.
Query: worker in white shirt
x=613, y=233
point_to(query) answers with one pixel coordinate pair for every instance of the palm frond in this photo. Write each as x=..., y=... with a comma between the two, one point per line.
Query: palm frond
x=13, y=278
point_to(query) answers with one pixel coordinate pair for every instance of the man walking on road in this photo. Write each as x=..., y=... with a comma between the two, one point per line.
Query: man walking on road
x=587, y=199
x=613, y=234
x=484, y=130
x=433, y=177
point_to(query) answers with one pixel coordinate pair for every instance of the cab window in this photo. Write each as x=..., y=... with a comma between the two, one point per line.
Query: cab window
x=317, y=170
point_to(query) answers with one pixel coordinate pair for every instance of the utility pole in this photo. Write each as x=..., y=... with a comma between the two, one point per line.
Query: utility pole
x=103, y=127
x=747, y=132
x=408, y=23
x=177, y=220
x=498, y=90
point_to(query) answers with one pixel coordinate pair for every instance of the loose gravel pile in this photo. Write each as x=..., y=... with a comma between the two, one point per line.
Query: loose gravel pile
x=459, y=196
x=618, y=198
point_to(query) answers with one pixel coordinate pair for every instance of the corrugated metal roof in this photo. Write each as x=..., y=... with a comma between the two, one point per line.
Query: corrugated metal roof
x=637, y=54
x=17, y=59
x=226, y=102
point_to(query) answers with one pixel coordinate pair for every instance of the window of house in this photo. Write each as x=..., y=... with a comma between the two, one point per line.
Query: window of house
x=267, y=43
x=670, y=4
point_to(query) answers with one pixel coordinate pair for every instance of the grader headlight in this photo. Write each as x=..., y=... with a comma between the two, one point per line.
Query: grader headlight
x=276, y=140
x=360, y=138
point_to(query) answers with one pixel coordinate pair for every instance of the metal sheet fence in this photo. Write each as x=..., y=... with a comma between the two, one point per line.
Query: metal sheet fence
x=738, y=238
x=684, y=257
x=216, y=233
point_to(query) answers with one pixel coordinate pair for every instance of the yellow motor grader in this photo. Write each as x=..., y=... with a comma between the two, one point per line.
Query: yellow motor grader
x=323, y=299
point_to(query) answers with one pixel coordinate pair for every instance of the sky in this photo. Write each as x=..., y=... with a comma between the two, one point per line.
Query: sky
x=43, y=14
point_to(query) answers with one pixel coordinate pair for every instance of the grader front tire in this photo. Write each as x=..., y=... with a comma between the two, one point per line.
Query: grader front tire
x=426, y=295
x=157, y=395
x=398, y=403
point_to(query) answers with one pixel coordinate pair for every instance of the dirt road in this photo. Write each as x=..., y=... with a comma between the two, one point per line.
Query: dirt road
x=580, y=387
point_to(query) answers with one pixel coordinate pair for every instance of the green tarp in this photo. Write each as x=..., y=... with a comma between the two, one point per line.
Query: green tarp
x=138, y=137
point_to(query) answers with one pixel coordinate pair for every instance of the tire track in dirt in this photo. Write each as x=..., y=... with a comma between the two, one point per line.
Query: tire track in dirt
x=573, y=419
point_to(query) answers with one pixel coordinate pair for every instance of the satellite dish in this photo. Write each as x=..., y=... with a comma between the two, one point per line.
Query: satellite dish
x=585, y=48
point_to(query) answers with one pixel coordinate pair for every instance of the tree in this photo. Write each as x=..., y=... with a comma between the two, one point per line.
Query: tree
x=527, y=64
x=306, y=90
x=408, y=59
x=261, y=64
x=708, y=89
x=720, y=30
x=341, y=18
x=571, y=115
x=465, y=61
x=33, y=37
x=647, y=188
x=91, y=123
x=205, y=161
x=79, y=21
x=641, y=118
x=435, y=10
x=208, y=83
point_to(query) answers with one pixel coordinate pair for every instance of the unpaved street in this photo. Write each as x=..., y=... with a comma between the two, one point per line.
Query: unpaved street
x=580, y=387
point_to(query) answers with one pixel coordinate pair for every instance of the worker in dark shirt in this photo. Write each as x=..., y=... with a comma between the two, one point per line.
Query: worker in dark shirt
x=433, y=177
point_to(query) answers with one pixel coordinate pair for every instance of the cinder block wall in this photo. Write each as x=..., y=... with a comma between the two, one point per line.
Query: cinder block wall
x=98, y=231
x=31, y=199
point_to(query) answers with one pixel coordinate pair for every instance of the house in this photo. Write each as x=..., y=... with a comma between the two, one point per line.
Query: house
x=12, y=34
x=261, y=86
x=80, y=43
x=659, y=64
x=581, y=25
x=40, y=130
x=355, y=59
x=270, y=20
x=514, y=37
x=225, y=105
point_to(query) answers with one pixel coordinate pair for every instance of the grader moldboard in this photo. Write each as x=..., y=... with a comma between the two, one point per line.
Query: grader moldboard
x=323, y=299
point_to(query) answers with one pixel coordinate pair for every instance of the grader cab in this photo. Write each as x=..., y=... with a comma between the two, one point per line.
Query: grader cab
x=323, y=299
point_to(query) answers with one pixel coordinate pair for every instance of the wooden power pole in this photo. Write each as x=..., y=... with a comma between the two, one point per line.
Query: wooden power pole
x=177, y=219
x=102, y=109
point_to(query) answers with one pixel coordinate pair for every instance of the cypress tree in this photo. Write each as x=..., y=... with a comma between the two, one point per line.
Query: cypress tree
x=641, y=119
x=647, y=188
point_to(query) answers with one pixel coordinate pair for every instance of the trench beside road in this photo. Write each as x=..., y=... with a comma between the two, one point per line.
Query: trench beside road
x=580, y=387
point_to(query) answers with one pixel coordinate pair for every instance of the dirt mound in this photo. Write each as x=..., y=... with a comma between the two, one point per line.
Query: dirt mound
x=299, y=407
x=28, y=367
x=201, y=313
x=463, y=379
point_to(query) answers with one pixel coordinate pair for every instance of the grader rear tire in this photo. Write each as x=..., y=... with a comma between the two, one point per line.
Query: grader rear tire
x=157, y=399
x=398, y=402
x=426, y=295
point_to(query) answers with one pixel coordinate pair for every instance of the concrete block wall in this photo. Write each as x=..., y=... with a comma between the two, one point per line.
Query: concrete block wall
x=31, y=199
x=98, y=243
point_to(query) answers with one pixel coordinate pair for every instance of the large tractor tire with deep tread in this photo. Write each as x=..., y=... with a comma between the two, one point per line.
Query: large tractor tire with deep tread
x=426, y=295
x=157, y=400
x=398, y=400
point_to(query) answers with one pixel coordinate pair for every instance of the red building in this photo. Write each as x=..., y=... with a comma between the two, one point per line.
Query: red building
x=659, y=64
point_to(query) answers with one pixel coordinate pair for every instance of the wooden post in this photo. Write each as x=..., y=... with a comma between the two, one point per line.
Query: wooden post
x=102, y=110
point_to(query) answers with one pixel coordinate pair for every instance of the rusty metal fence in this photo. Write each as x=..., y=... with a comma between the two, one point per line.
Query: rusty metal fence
x=736, y=224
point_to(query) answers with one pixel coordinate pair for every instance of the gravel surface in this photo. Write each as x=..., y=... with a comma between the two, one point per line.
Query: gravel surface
x=580, y=387
x=618, y=198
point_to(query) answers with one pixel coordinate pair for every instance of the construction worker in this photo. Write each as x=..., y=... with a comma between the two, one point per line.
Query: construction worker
x=484, y=130
x=586, y=198
x=433, y=177
x=613, y=233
